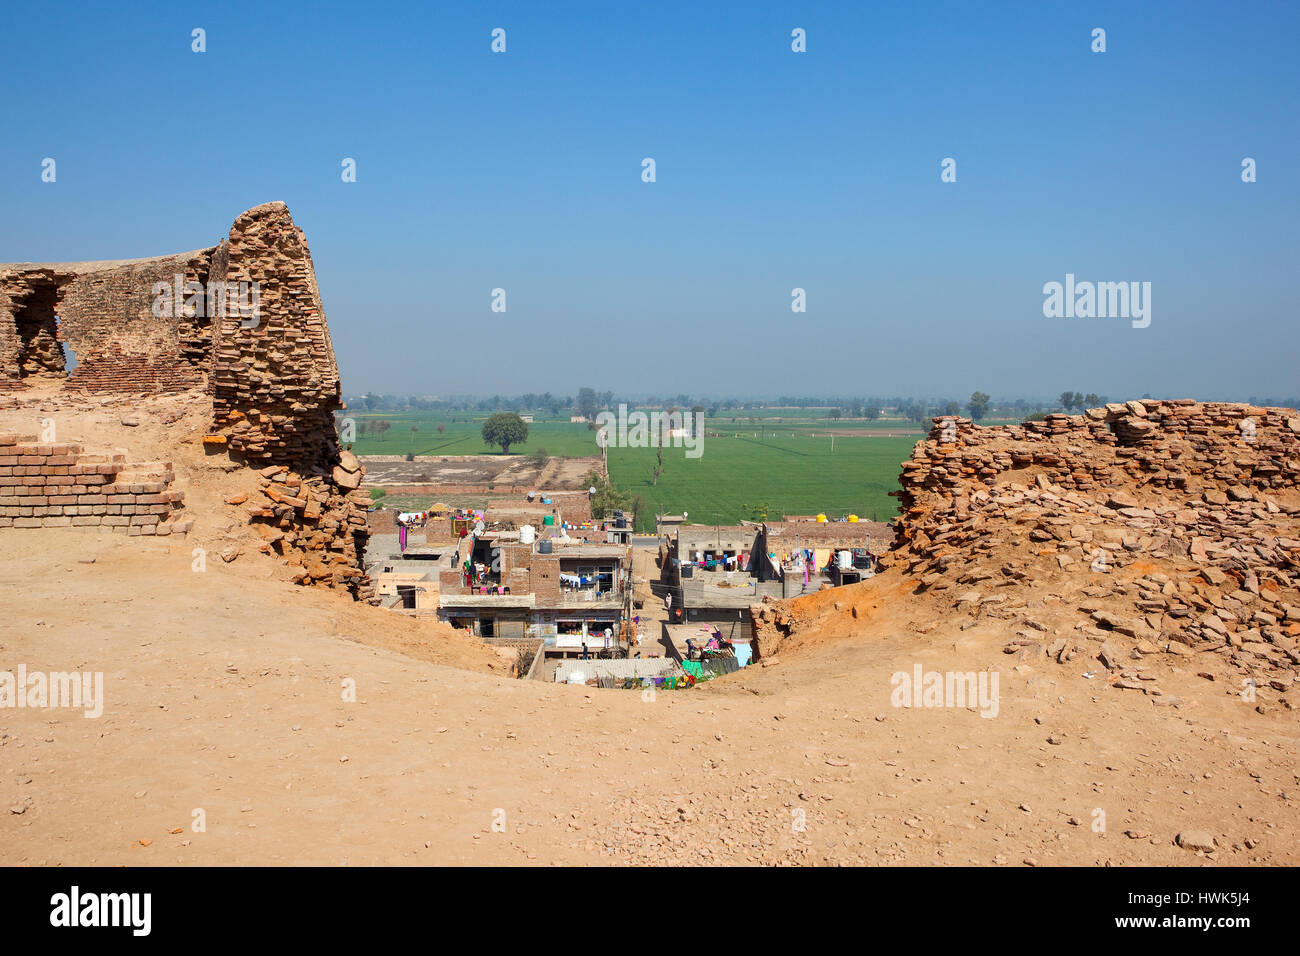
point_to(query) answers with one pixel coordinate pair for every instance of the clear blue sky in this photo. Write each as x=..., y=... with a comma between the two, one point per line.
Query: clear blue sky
x=775, y=169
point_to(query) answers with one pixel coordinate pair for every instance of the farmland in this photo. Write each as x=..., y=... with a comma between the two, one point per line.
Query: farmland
x=737, y=476
x=461, y=437
x=782, y=464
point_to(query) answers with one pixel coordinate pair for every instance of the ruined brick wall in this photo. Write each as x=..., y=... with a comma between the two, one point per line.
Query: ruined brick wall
x=103, y=313
x=275, y=388
x=275, y=385
x=61, y=485
x=272, y=375
x=1172, y=524
x=1181, y=445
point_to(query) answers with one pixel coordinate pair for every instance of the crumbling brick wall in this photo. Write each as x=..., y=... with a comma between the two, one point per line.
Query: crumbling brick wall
x=275, y=388
x=1197, y=504
x=104, y=312
x=272, y=375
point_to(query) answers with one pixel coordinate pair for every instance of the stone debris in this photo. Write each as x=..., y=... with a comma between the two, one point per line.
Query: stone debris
x=1171, y=527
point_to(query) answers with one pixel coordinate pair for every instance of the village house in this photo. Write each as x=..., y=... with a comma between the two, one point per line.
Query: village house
x=805, y=553
x=555, y=593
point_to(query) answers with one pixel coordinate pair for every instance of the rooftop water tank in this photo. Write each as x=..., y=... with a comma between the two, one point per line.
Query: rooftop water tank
x=526, y=534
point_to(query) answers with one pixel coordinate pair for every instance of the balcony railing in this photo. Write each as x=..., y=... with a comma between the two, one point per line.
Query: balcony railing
x=593, y=596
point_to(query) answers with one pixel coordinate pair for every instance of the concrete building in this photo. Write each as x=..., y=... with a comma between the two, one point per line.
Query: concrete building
x=545, y=592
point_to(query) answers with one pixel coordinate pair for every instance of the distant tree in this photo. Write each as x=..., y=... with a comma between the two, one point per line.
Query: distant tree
x=382, y=426
x=587, y=402
x=1091, y=400
x=952, y=408
x=659, y=467
x=914, y=411
x=835, y=413
x=441, y=429
x=871, y=412
x=505, y=429
x=978, y=405
x=539, y=456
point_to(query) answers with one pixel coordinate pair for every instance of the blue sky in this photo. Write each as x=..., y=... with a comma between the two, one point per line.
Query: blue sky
x=819, y=170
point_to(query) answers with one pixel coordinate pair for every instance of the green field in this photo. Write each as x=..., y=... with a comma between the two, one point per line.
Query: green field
x=735, y=476
x=559, y=438
x=787, y=467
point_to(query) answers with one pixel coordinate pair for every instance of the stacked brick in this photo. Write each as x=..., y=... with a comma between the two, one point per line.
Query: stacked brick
x=275, y=385
x=275, y=389
x=61, y=486
x=1200, y=501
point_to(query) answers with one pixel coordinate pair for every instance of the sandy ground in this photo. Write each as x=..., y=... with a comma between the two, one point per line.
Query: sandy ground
x=224, y=694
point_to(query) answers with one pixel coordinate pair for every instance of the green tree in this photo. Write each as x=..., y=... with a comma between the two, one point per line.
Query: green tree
x=505, y=429
x=607, y=498
x=978, y=405
x=587, y=402
x=872, y=412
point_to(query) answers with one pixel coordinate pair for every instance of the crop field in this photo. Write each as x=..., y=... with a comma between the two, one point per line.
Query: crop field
x=742, y=477
x=559, y=438
x=791, y=466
